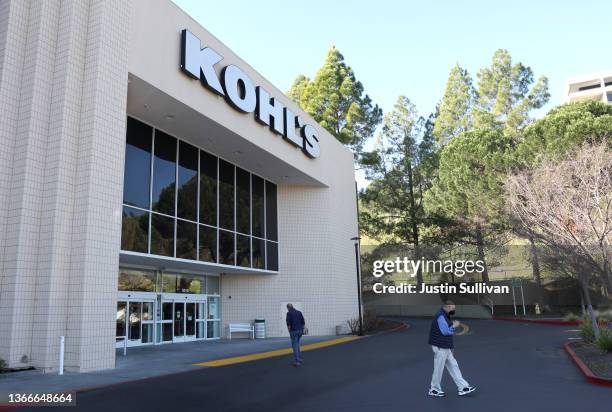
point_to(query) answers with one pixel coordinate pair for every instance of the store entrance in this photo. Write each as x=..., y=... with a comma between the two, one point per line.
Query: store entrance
x=183, y=317
x=134, y=322
x=155, y=307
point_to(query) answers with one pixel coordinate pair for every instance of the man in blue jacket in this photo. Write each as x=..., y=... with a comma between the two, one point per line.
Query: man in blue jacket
x=295, y=326
x=441, y=341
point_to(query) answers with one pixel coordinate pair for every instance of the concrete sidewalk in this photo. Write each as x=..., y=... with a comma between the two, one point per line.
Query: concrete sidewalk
x=147, y=362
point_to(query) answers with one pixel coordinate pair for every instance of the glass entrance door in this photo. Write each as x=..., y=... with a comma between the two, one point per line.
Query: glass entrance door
x=165, y=325
x=135, y=317
x=121, y=329
x=179, y=322
x=190, y=321
x=182, y=318
x=201, y=320
x=134, y=321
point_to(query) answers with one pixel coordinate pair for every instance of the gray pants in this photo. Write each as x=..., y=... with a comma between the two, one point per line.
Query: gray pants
x=442, y=358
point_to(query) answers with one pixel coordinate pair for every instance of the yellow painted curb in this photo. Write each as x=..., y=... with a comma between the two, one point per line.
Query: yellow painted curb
x=274, y=353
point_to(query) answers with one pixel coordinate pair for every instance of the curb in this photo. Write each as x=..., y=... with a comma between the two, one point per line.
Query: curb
x=541, y=321
x=589, y=375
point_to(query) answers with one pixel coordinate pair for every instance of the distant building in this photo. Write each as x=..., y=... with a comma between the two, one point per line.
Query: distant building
x=593, y=86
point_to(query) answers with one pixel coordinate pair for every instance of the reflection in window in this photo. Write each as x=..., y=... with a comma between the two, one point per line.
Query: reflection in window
x=162, y=235
x=121, y=307
x=186, y=239
x=208, y=189
x=258, y=206
x=259, y=253
x=135, y=230
x=272, y=256
x=195, y=194
x=188, y=284
x=226, y=195
x=195, y=285
x=243, y=201
x=212, y=285
x=164, y=173
x=168, y=286
x=271, y=223
x=208, y=244
x=134, y=318
x=212, y=329
x=243, y=250
x=136, y=280
x=136, y=178
x=147, y=311
x=147, y=333
x=226, y=247
x=187, y=200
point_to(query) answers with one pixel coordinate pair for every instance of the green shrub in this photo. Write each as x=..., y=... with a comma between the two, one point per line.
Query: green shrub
x=2, y=364
x=586, y=331
x=571, y=317
x=604, y=342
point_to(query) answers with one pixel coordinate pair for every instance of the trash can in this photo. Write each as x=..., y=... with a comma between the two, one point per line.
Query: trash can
x=260, y=328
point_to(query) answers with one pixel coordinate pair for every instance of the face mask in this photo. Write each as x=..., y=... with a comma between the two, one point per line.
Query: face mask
x=452, y=312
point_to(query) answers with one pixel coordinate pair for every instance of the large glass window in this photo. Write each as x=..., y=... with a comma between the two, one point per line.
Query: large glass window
x=186, y=240
x=208, y=189
x=136, y=180
x=164, y=173
x=259, y=253
x=257, y=210
x=137, y=280
x=271, y=225
x=194, y=205
x=162, y=235
x=226, y=247
x=212, y=285
x=226, y=195
x=208, y=244
x=272, y=256
x=135, y=230
x=169, y=283
x=187, y=192
x=243, y=250
x=243, y=201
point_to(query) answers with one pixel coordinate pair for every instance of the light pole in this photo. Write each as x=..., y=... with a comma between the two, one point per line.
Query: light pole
x=358, y=267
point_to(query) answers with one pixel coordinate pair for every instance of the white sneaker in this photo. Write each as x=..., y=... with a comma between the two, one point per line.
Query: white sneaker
x=437, y=394
x=466, y=390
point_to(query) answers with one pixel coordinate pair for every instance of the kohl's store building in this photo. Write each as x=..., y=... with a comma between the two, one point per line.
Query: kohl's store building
x=155, y=188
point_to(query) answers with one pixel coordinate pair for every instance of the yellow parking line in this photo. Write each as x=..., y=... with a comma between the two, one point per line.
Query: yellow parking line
x=274, y=353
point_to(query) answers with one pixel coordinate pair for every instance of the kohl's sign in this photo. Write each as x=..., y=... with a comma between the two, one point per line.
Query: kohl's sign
x=238, y=90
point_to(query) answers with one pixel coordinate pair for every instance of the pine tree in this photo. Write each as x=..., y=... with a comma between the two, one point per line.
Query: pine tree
x=338, y=102
x=455, y=110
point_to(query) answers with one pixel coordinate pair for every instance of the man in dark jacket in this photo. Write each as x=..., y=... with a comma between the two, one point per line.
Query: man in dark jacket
x=441, y=341
x=295, y=326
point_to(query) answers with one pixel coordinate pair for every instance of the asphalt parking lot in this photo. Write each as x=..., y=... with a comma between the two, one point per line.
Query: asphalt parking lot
x=516, y=367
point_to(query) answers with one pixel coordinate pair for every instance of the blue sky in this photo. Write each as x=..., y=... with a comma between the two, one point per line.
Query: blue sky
x=408, y=47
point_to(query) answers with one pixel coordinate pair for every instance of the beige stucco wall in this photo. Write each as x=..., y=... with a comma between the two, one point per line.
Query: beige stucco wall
x=63, y=88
